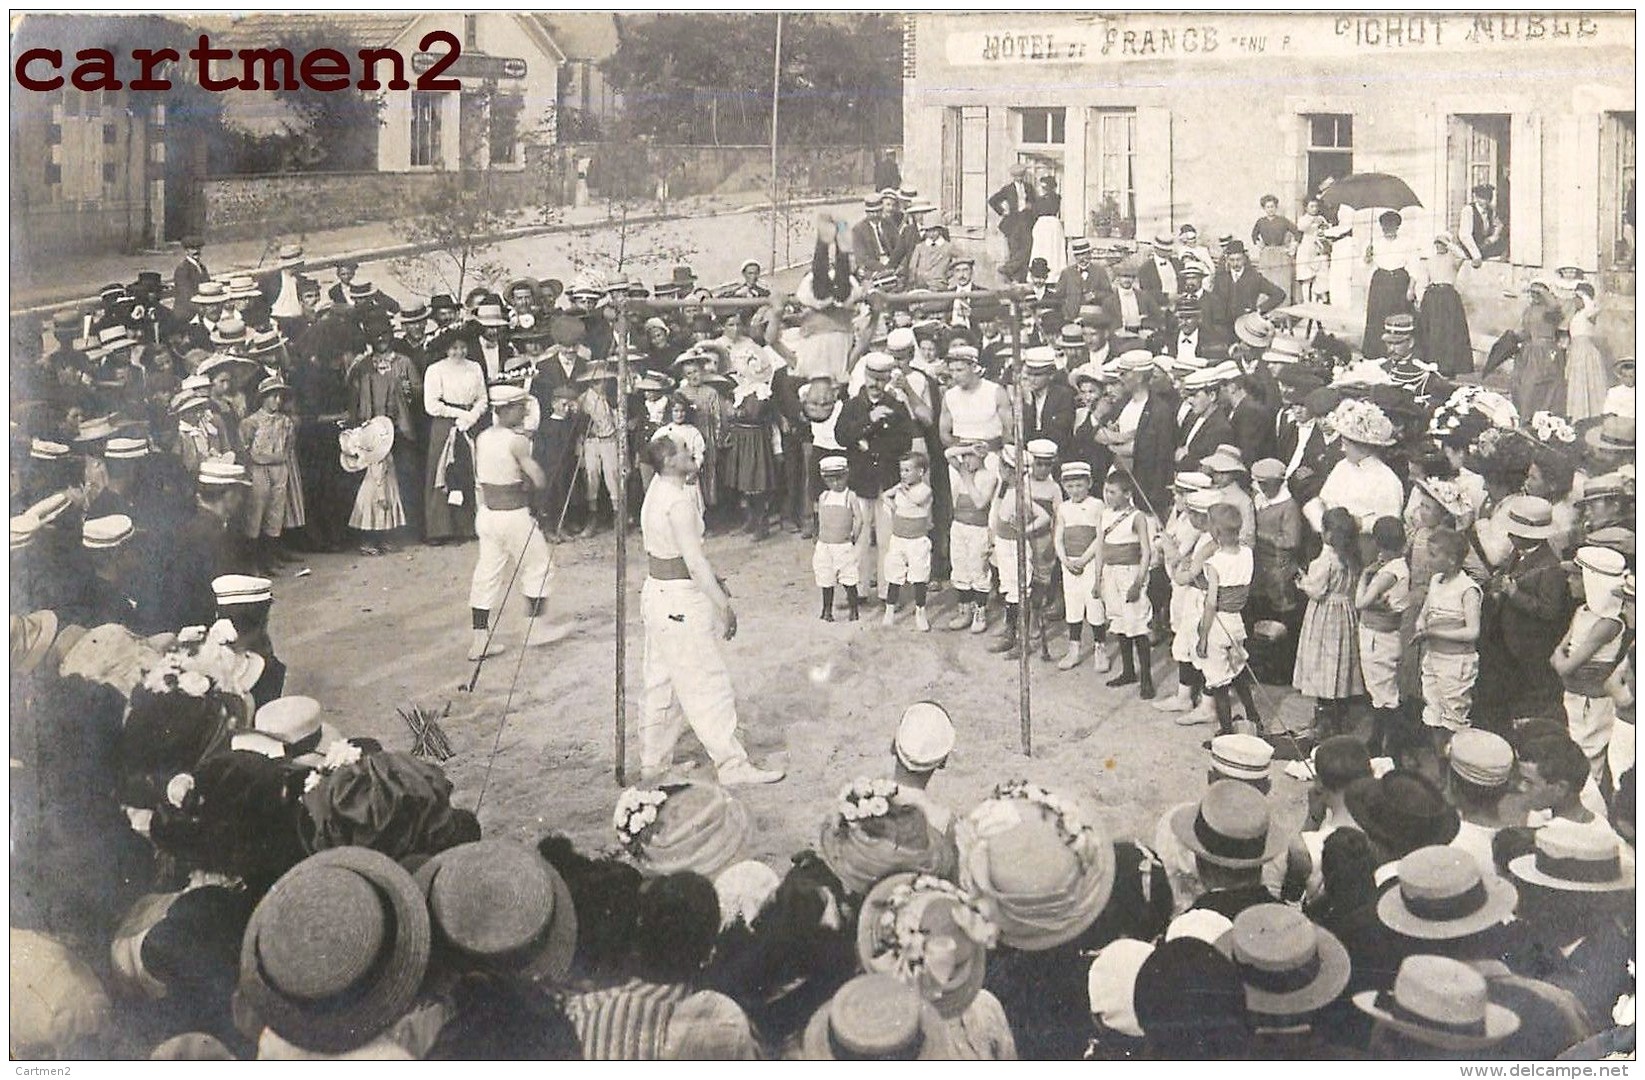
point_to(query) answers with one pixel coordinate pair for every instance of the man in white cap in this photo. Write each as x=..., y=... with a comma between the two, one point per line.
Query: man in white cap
x=505, y=476
x=108, y=595
x=245, y=601
x=204, y=547
x=925, y=738
x=1481, y=766
x=685, y=609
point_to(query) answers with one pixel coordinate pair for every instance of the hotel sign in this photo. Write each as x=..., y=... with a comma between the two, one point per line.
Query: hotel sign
x=1098, y=40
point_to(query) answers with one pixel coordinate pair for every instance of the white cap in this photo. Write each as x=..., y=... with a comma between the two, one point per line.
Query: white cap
x=125, y=449
x=289, y=719
x=1112, y=984
x=234, y=589
x=900, y=339
x=223, y=472
x=834, y=463
x=880, y=362
x=743, y=889
x=506, y=395
x=104, y=533
x=1042, y=448
x=925, y=737
x=1201, y=923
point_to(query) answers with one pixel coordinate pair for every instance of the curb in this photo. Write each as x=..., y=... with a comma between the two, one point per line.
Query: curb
x=397, y=251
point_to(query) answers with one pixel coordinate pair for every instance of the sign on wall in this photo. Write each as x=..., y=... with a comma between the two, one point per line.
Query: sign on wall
x=1089, y=39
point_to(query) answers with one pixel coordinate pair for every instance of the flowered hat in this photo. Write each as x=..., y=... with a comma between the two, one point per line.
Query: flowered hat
x=692, y=825
x=929, y=933
x=1362, y=422
x=1047, y=873
x=1449, y=496
x=873, y=832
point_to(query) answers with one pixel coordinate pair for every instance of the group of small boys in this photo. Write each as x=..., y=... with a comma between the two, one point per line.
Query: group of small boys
x=1102, y=550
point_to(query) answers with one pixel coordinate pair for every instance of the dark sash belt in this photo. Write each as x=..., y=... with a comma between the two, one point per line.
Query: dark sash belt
x=668, y=569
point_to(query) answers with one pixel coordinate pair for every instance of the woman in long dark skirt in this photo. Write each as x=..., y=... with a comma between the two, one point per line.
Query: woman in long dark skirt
x=1442, y=324
x=1390, y=289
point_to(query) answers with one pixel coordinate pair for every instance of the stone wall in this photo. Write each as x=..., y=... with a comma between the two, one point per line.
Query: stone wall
x=247, y=207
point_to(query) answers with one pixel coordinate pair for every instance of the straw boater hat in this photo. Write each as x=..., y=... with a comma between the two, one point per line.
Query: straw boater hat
x=112, y=339
x=1254, y=329
x=1529, y=517
x=291, y=256
x=1572, y=859
x=1289, y=966
x=1047, y=873
x=1440, y=1002
x=500, y=906
x=1614, y=434
x=1443, y=895
x=272, y=385
x=874, y=831
x=698, y=827
x=491, y=315
x=366, y=445
x=210, y=292
x=876, y=1018
x=293, y=726
x=126, y=449
x=336, y=951
x=925, y=736
x=928, y=933
x=1230, y=826
x=1611, y=485
x=243, y=287
x=222, y=473
x=106, y=533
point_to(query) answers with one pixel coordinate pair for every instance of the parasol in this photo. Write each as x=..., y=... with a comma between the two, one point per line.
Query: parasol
x=1363, y=190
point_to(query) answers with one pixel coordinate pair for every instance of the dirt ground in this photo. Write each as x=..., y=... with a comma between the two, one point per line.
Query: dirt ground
x=368, y=635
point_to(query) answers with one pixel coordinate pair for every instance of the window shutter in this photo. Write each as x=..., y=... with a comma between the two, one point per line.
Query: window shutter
x=1525, y=170
x=1151, y=160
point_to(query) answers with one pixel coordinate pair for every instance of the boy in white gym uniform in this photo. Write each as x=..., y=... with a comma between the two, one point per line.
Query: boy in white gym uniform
x=1075, y=537
x=908, y=554
x=839, y=521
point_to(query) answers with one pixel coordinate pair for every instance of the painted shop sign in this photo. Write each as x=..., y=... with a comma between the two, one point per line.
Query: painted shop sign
x=1095, y=40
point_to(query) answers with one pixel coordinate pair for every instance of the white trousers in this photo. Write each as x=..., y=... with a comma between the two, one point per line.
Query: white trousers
x=1079, y=600
x=507, y=535
x=1590, y=720
x=1005, y=562
x=968, y=557
x=874, y=540
x=686, y=679
x=1379, y=652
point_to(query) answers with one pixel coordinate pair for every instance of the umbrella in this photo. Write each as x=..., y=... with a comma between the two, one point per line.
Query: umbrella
x=1362, y=190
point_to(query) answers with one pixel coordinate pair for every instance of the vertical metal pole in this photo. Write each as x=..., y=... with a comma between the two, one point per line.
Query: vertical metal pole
x=776, y=84
x=619, y=506
x=1024, y=703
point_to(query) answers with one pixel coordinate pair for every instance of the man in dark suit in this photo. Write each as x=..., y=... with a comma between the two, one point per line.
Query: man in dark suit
x=1206, y=425
x=1129, y=309
x=876, y=430
x=1251, y=420
x=874, y=238
x=1148, y=449
x=1048, y=401
x=1158, y=275
x=1014, y=203
x=1527, y=610
x=1083, y=281
x=185, y=280
x=1236, y=290
x=1308, y=452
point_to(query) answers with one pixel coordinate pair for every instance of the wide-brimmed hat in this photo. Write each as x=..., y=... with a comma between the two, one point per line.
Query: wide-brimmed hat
x=1285, y=349
x=242, y=287
x=900, y=837
x=1290, y=967
x=1440, y=1002
x=1448, y=494
x=1572, y=859
x=1230, y=826
x=499, y=905
x=929, y=933
x=366, y=445
x=274, y=384
x=1047, y=873
x=1529, y=517
x=1614, y=434
x=336, y=951
x=1401, y=811
x=112, y=339
x=1443, y=894
x=876, y=1018
x=290, y=255
x=1254, y=329
x=699, y=827
x=265, y=341
x=1362, y=422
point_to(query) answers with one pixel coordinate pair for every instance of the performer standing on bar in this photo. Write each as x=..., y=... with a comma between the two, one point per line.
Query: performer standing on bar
x=685, y=608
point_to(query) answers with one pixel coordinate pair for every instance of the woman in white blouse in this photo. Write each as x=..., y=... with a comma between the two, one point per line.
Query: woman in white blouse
x=454, y=396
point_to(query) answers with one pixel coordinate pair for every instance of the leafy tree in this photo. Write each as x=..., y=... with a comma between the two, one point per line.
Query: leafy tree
x=458, y=224
x=706, y=78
